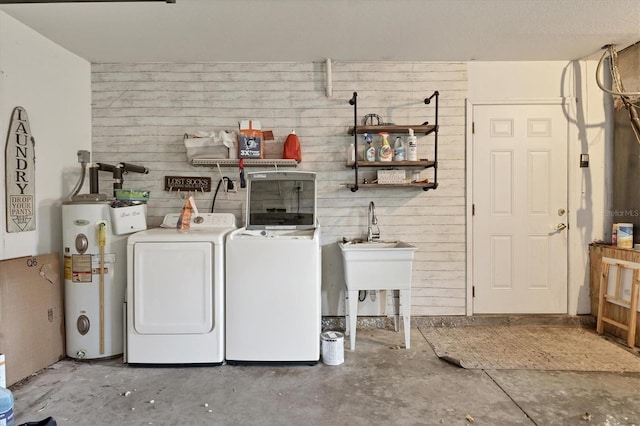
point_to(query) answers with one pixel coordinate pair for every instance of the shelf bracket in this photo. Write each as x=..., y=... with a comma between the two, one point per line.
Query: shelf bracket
x=427, y=101
x=354, y=101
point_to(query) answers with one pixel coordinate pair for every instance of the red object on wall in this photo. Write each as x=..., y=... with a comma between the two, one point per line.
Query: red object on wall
x=292, y=147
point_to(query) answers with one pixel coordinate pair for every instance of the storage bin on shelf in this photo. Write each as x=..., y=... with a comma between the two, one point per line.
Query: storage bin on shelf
x=389, y=177
x=129, y=211
x=211, y=145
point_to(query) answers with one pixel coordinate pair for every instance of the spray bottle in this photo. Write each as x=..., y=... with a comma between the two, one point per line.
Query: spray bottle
x=386, y=153
x=369, y=149
x=412, y=141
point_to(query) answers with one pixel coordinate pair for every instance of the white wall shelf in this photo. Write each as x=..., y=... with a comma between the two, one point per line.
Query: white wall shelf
x=247, y=162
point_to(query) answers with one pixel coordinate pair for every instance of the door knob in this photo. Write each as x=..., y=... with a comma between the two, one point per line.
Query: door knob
x=561, y=226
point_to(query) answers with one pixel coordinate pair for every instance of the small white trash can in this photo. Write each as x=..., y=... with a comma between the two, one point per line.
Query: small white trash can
x=332, y=347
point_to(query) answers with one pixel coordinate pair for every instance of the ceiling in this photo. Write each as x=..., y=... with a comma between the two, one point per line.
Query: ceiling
x=354, y=30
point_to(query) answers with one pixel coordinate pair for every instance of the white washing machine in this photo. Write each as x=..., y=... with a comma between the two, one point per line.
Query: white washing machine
x=175, y=292
x=273, y=296
x=273, y=282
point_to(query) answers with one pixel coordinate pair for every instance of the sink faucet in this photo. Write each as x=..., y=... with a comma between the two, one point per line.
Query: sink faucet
x=372, y=221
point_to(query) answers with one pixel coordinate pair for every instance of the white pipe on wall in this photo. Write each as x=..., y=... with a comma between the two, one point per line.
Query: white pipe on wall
x=328, y=77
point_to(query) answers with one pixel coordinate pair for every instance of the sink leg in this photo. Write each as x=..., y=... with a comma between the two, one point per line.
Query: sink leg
x=396, y=307
x=405, y=302
x=352, y=317
x=347, y=331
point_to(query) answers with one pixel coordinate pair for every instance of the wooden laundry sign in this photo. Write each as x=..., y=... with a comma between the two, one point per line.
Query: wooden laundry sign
x=187, y=183
x=20, y=174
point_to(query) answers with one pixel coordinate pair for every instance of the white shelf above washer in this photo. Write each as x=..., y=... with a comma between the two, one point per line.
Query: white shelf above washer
x=248, y=162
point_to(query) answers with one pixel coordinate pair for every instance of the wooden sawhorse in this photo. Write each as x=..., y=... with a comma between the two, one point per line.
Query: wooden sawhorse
x=617, y=297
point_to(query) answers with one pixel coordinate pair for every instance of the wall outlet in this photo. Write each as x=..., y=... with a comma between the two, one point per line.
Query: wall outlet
x=232, y=186
x=84, y=156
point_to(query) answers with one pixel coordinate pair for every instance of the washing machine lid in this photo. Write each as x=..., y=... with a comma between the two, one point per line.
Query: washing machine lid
x=279, y=200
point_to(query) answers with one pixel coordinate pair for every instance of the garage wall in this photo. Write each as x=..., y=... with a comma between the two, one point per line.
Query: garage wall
x=141, y=112
x=54, y=87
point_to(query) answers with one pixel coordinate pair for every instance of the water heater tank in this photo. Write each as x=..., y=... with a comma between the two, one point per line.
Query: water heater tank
x=94, y=280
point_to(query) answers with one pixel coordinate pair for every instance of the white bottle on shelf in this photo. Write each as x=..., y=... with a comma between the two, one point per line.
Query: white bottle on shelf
x=351, y=154
x=412, y=141
x=398, y=149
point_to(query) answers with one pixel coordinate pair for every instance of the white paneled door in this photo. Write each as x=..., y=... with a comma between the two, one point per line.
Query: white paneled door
x=519, y=209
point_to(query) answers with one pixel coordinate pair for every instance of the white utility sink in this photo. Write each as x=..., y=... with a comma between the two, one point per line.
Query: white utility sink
x=377, y=265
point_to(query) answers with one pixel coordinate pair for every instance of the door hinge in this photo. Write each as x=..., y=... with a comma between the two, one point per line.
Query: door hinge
x=473, y=209
x=473, y=291
x=473, y=127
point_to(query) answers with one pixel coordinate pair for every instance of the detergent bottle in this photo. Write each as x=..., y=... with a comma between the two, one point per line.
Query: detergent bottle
x=398, y=149
x=412, y=141
x=6, y=407
x=6, y=398
x=386, y=153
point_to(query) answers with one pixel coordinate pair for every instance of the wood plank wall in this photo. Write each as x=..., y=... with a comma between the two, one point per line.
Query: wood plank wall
x=142, y=110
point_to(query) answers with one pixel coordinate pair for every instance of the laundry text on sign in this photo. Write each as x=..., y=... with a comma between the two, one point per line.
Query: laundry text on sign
x=20, y=174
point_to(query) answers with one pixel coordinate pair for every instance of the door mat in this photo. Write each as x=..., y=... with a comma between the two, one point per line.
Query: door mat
x=529, y=348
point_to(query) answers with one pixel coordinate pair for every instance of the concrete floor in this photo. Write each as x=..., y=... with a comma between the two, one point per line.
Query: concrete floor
x=378, y=384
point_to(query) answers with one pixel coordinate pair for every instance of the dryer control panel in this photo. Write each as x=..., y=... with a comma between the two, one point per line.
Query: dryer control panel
x=202, y=220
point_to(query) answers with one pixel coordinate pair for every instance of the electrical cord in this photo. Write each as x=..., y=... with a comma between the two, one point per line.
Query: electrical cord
x=78, y=186
x=611, y=52
x=626, y=98
x=229, y=187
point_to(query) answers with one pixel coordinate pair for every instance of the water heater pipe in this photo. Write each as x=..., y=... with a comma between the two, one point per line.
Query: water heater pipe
x=117, y=172
x=102, y=241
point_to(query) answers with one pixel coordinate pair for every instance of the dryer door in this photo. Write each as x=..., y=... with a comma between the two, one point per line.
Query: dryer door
x=173, y=287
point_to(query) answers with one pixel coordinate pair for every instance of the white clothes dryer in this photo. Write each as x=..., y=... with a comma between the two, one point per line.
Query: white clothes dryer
x=175, y=292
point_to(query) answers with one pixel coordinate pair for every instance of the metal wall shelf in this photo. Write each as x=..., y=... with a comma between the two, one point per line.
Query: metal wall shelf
x=426, y=129
x=247, y=162
x=424, y=186
x=401, y=164
x=356, y=130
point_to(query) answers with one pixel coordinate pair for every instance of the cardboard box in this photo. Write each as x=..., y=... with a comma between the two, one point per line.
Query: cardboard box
x=250, y=141
x=31, y=314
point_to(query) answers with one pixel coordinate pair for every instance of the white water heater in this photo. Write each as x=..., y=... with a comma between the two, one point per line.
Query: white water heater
x=95, y=275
